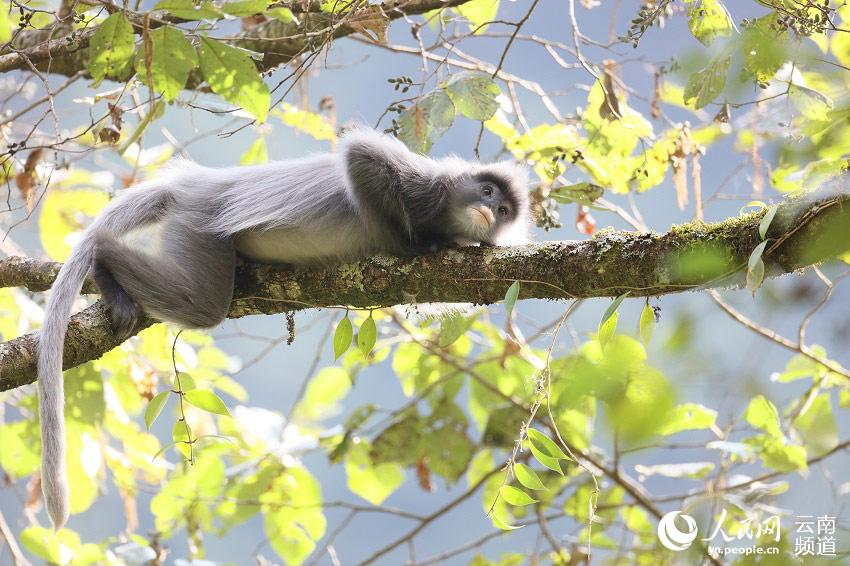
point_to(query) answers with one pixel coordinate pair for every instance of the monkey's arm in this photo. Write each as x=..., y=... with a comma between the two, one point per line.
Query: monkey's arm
x=389, y=180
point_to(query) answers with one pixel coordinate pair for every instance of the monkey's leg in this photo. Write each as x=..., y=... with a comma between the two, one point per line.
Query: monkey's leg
x=189, y=281
x=124, y=313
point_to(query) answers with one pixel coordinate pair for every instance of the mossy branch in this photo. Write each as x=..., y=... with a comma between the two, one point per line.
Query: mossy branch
x=692, y=256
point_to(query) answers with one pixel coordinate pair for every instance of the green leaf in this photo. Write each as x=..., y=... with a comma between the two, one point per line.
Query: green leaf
x=189, y=10
x=527, y=477
x=255, y=154
x=155, y=407
x=19, y=448
x=516, y=496
x=708, y=20
x=817, y=426
x=606, y=329
x=688, y=416
x=762, y=414
x=372, y=483
x=173, y=59
x=185, y=383
x=323, y=392
x=425, y=121
x=5, y=23
x=242, y=8
x=342, y=337
x=764, y=225
x=473, y=94
x=706, y=84
x=478, y=12
x=511, y=296
x=111, y=48
x=452, y=328
x=583, y=193
x=181, y=434
x=505, y=526
x=546, y=460
x=283, y=15
x=206, y=400
x=231, y=74
x=367, y=335
x=647, y=324
x=45, y=544
x=755, y=268
x=612, y=308
x=546, y=445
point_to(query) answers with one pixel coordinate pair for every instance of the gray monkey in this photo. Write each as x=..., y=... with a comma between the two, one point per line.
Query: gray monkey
x=167, y=247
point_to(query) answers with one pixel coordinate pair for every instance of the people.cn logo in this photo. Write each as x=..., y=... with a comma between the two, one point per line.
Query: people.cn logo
x=670, y=535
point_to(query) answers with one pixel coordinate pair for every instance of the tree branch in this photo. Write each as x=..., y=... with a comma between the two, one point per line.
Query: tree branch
x=804, y=232
x=62, y=50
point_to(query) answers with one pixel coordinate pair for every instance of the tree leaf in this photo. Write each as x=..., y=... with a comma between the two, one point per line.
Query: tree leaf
x=231, y=74
x=173, y=59
x=242, y=8
x=755, y=268
x=155, y=407
x=425, y=121
x=516, y=496
x=527, y=477
x=452, y=328
x=181, y=434
x=764, y=225
x=647, y=324
x=612, y=308
x=708, y=20
x=367, y=335
x=342, y=337
x=206, y=400
x=607, y=329
x=511, y=296
x=762, y=414
x=111, y=48
x=473, y=94
x=189, y=10
x=546, y=445
x=706, y=84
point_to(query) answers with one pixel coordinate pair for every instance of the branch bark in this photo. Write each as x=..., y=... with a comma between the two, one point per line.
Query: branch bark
x=63, y=50
x=692, y=256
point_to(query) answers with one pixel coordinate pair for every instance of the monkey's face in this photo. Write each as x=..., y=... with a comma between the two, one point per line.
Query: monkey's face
x=489, y=203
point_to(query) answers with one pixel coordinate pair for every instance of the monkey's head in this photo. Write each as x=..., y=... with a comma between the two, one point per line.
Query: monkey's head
x=489, y=205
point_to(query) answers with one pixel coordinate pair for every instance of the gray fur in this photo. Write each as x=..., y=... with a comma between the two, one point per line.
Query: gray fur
x=167, y=247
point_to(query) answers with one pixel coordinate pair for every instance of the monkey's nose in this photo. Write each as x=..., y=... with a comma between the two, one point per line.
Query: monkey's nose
x=482, y=216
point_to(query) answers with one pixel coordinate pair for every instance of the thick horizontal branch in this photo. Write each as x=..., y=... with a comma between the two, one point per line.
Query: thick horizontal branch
x=64, y=51
x=692, y=256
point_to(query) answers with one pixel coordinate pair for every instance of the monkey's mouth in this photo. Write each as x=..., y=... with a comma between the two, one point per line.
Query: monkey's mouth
x=481, y=216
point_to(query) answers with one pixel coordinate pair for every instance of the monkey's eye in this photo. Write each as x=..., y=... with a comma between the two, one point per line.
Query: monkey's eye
x=503, y=211
x=487, y=190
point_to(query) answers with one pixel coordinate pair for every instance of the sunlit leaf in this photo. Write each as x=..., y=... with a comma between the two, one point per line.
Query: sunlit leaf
x=706, y=84
x=342, y=337
x=173, y=59
x=428, y=119
x=206, y=400
x=527, y=477
x=367, y=335
x=473, y=94
x=154, y=408
x=111, y=48
x=647, y=324
x=516, y=496
x=511, y=296
x=231, y=74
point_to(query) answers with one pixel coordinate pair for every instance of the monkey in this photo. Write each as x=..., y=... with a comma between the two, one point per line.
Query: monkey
x=167, y=247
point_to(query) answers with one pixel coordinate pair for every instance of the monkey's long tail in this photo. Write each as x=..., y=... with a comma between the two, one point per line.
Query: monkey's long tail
x=135, y=207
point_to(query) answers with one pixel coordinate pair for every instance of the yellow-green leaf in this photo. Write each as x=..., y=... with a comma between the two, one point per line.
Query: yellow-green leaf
x=367, y=335
x=155, y=407
x=527, y=477
x=516, y=496
x=342, y=337
x=231, y=74
x=111, y=48
x=206, y=400
x=172, y=60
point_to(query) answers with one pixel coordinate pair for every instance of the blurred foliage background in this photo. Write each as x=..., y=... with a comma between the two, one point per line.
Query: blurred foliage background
x=350, y=437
